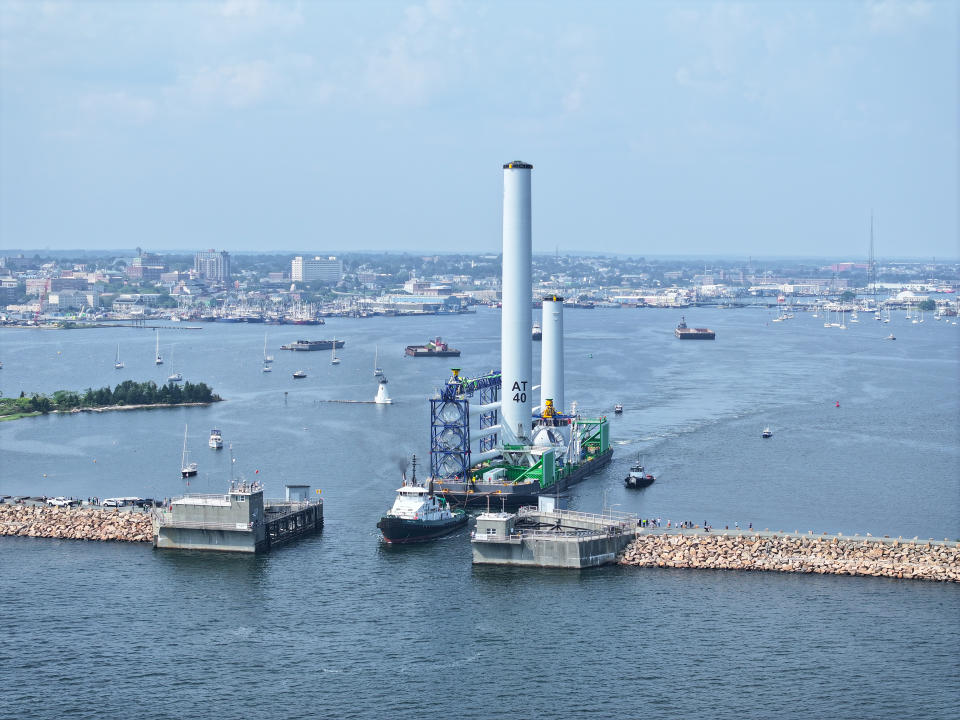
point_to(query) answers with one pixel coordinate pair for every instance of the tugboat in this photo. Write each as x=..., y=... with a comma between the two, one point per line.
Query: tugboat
x=767, y=433
x=418, y=515
x=637, y=477
x=216, y=439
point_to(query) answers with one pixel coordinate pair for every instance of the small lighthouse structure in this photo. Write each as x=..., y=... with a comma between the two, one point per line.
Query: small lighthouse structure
x=383, y=397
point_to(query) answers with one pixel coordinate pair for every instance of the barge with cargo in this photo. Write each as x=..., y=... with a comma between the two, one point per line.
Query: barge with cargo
x=434, y=348
x=310, y=345
x=688, y=333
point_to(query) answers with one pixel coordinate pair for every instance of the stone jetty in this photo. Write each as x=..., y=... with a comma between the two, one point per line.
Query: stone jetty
x=74, y=523
x=796, y=553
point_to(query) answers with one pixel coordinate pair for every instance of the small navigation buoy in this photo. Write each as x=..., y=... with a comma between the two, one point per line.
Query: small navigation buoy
x=838, y=403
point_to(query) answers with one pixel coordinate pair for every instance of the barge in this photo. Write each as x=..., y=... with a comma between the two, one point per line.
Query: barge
x=309, y=345
x=434, y=348
x=687, y=333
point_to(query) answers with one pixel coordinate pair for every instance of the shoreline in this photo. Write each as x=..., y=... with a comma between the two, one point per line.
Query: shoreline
x=107, y=408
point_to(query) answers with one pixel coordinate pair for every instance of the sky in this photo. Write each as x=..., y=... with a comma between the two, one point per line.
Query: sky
x=764, y=129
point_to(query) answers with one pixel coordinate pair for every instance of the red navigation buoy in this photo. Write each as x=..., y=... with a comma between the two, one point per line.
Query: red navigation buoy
x=838, y=403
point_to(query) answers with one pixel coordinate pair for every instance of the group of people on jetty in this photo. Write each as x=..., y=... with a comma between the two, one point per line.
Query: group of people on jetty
x=683, y=525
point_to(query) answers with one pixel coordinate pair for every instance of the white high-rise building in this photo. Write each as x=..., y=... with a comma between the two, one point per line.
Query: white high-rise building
x=328, y=269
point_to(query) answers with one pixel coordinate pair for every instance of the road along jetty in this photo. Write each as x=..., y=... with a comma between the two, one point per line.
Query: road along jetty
x=937, y=560
x=74, y=523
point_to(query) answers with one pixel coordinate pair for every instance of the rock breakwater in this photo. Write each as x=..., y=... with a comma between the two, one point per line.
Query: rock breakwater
x=823, y=555
x=74, y=523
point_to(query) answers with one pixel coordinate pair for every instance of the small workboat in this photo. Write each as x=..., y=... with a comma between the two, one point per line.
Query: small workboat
x=638, y=477
x=299, y=374
x=216, y=439
x=418, y=514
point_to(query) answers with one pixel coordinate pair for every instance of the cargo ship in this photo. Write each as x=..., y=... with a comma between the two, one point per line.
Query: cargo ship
x=687, y=333
x=434, y=348
x=307, y=345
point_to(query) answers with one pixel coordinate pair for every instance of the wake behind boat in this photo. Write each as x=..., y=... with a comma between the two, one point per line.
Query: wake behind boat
x=418, y=515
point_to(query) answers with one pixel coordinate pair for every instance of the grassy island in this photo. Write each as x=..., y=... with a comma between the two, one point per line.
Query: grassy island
x=126, y=395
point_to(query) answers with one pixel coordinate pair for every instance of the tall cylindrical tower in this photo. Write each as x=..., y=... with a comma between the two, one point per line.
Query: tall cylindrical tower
x=516, y=362
x=551, y=362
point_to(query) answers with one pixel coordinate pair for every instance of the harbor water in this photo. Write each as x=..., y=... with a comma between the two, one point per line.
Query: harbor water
x=341, y=625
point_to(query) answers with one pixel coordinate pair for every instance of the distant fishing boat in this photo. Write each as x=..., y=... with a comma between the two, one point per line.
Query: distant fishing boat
x=187, y=469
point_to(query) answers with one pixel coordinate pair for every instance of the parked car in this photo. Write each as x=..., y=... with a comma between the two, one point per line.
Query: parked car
x=60, y=502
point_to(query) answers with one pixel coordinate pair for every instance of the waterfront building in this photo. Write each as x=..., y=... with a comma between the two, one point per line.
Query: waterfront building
x=328, y=269
x=213, y=266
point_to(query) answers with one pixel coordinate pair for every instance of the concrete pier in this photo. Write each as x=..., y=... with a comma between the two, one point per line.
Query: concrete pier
x=937, y=560
x=551, y=538
x=237, y=521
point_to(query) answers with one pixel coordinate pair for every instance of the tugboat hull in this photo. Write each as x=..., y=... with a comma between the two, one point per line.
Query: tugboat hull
x=399, y=530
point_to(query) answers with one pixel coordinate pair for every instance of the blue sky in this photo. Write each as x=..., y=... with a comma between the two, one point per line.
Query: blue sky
x=654, y=128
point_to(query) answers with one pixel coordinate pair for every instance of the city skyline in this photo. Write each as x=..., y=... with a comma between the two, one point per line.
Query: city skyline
x=662, y=130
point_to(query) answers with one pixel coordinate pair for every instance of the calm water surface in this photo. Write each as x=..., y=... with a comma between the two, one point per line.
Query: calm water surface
x=341, y=626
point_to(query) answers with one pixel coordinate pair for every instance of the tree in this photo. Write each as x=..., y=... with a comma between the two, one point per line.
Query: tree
x=928, y=305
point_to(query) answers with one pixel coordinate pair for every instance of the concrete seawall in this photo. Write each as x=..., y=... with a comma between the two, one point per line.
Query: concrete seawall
x=74, y=523
x=796, y=553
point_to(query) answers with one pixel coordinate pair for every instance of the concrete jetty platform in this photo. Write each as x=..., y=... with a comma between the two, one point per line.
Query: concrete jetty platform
x=551, y=537
x=237, y=521
x=937, y=560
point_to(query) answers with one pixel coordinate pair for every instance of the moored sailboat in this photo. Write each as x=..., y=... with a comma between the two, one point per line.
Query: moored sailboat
x=187, y=469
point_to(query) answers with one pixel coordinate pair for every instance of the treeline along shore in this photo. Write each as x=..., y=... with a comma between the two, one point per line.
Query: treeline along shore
x=74, y=523
x=795, y=553
x=127, y=395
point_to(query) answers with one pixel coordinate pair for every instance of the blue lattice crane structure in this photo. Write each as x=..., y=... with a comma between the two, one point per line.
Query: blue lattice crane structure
x=450, y=422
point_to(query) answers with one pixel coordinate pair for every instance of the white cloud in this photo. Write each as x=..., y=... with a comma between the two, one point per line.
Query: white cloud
x=894, y=16
x=421, y=57
x=117, y=106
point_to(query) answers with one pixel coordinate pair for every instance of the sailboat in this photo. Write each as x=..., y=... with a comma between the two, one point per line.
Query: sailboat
x=267, y=359
x=158, y=359
x=334, y=360
x=187, y=469
x=118, y=364
x=377, y=370
x=176, y=377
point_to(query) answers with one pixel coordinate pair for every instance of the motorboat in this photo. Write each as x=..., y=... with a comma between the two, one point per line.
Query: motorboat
x=767, y=433
x=418, y=514
x=890, y=337
x=299, y=374
x=216, y=439
x=618, y=409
